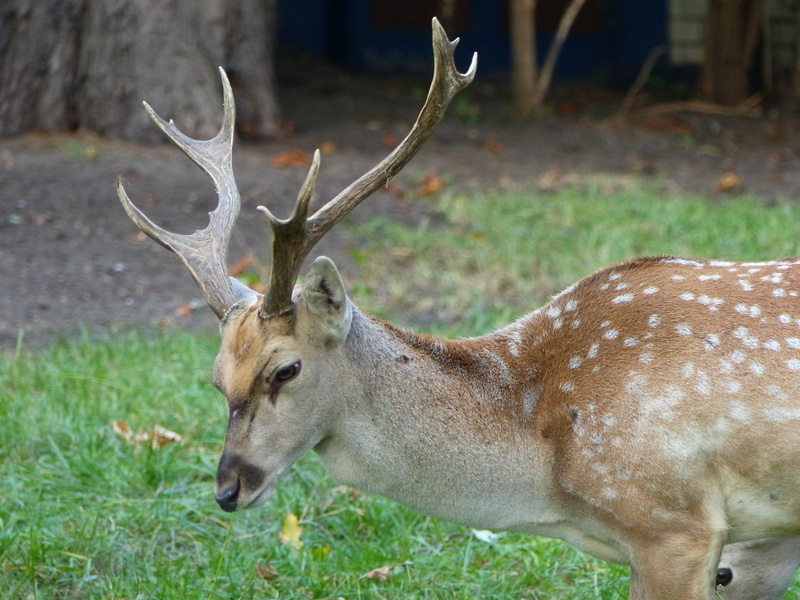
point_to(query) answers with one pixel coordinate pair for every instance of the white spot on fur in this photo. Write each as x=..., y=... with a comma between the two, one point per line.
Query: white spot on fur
x=654, y=321
x=614, y=276
x=711, y=342
x=650, y=291
x=757, y=368
x=575, y=362
x=605, y=324
x=793, y=364
x=630, y=342
x=779, y=414
x=567, y=386
x=611, y=334
x=779, y=292
x=733, y=387
x=737, y=357
x=623, y=298
x=740, y=413
x=775, y=391
x=571, y=305
x=713, y=277
x=746, y=285
x=793, y=343
x=553, y=312
x=687, y=296
x=785, y=319
x=683, y=329
x=646, y=358
x=772, y=345
x=593, y=351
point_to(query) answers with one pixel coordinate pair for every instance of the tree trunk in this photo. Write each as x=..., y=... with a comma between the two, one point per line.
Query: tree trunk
x=524, y=69
x=69, y=64
x=732, y=32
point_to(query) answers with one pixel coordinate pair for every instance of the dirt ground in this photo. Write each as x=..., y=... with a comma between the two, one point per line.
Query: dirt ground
x=70, y=258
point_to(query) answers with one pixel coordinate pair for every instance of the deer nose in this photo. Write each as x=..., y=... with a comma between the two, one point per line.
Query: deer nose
x=228, y=497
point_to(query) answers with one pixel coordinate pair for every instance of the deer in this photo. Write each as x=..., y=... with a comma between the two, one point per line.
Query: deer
x=649, y=414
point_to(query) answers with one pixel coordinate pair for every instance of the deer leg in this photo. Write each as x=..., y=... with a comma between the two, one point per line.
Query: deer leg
x=676, y=566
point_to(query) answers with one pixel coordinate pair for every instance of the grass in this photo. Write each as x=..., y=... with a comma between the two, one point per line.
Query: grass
x=85, y=514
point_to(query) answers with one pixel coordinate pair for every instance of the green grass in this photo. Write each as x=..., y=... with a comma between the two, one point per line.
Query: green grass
x=85, y=514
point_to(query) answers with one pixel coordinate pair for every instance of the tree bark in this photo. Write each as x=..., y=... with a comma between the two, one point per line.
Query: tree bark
x=88, y=64
x=524, y=69
x=732, y=31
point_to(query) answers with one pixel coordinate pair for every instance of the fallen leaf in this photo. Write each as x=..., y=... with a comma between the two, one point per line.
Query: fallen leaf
x=184, y=310
x=163, y=437
x=328, y=148
x=389, y=139
x=122, y=430
x=430, y=185
x=492, y=145
x=291, y=158
x=291, y=532
x=266, y=572
x=379, y=574
x=729, y=181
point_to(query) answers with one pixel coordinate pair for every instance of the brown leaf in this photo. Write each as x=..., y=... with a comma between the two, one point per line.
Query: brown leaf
x=389, y=139
x=122, y=430
x=291, y=158
x=163, y=437
x=380, y=574
x=492, y=145
x=729, y=181
x=266, y=572
x=328, y=148
x=184, y=310
x=430, y=185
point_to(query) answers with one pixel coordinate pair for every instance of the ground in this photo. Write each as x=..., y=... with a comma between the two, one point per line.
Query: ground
x=71, y=259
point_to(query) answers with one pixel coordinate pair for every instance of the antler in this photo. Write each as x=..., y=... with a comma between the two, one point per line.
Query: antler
x=296, y=236
x=203, y=252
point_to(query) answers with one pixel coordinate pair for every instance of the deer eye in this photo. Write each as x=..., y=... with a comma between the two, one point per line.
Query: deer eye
x=287, y=373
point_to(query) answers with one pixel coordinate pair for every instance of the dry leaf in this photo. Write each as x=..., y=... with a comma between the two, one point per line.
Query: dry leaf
x=729, y=181
x=430, y=185
x=291, y=531
x=291, y=158
x=266, y=572
x=379, y=574
x=389, y=139
x=492, y=145
x=328, y=148
x=158, y=438
x=163, y=437
x=122, y=430
x=184, y=310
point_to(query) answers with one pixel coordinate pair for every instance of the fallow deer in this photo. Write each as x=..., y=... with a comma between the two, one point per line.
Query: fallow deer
x=648, y=414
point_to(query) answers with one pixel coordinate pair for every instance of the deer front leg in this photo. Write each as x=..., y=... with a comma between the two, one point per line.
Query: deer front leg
x=676, y=566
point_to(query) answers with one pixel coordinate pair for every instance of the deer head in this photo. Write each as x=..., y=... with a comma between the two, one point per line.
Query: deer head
x=280, y=352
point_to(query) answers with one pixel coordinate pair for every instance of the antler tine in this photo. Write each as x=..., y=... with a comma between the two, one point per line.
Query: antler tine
x=203, y=252
x=292, y=244
x=289, y=242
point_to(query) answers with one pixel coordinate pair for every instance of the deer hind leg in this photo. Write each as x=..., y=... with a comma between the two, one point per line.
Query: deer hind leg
x=676, y=566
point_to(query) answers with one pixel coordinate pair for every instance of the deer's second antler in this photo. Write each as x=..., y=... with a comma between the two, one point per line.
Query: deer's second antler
x=295, y=237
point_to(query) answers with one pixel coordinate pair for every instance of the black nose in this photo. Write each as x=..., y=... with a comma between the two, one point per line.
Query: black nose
x=227, y=498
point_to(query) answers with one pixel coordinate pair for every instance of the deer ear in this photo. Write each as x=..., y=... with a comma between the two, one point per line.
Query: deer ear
x=327, y=300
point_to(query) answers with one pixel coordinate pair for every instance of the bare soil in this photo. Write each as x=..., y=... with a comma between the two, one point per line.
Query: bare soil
x=70, y=258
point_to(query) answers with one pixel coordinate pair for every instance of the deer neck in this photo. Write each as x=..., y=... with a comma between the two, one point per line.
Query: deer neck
x=443, y=426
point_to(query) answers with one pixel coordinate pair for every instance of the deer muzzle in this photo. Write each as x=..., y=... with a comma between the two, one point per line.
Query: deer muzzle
x=240, y=484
